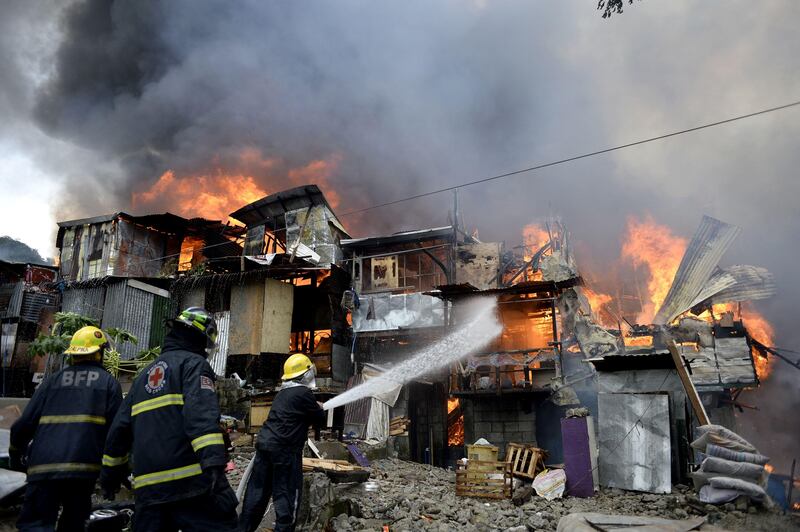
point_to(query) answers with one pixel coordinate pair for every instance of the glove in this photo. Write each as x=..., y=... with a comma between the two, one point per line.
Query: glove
x=110, y=481
x=17, y=460
x=218, y=478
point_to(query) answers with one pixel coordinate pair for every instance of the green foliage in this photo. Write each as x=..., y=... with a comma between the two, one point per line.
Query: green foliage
x=121, y=336
x=49, y=344
x=69, y=322
x=610, y=7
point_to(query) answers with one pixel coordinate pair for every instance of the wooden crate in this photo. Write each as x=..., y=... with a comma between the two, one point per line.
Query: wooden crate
x=484, y=479
x=483, y=453
x=525, y=460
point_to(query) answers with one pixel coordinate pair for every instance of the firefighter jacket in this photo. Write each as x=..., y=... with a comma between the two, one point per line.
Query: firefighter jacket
x=67, y=419
x=293, y=411
x=169, y=422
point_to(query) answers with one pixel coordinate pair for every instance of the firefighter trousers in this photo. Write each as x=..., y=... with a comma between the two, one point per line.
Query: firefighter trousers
x=210, y=512
x=276, y=473
x=44, y=499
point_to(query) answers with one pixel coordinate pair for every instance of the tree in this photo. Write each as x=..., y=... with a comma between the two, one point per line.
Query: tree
x=609, y=7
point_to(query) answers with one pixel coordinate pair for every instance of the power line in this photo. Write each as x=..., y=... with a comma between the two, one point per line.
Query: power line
x=529, y=169
x=574, y=158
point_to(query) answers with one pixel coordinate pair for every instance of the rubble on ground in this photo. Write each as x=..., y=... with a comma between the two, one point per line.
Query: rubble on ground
x=411, y=496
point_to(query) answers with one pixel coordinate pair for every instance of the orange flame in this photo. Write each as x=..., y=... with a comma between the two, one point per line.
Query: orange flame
x=769, y=467
x=597, y=301
x=218, y=192
x=760, y=329
x=206, y=196
x=656, y=247
x=455, y=430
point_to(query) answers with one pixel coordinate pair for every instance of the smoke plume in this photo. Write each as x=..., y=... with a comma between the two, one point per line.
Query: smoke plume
x=393, y=99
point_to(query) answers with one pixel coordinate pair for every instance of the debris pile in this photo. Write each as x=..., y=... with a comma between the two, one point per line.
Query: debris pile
x=409, y=496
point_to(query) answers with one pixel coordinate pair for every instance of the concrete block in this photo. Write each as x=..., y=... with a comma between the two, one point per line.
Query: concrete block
x=481, y=429
x=498, y=427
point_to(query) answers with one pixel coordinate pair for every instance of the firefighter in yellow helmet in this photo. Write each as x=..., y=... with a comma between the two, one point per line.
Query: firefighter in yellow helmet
x=278, y=464
x=61, y=434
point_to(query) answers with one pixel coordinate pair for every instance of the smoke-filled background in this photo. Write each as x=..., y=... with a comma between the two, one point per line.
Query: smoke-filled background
x=200, y=106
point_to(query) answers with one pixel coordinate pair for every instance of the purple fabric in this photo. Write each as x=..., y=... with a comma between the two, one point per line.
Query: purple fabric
x=360, y=457
x=577, y=462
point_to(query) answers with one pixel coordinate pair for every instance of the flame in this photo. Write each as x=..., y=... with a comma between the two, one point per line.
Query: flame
x=232, y=184
x=638, y=341
x=455, y=429
x=759, y=328
x=534, y=236
x=796, y=506
x=769, y=467
x=597, y=301
x=206, y=196
x=189, y=246
x=656, y=247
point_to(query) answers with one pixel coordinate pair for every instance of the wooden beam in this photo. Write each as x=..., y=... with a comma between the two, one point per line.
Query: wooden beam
x=688, y=385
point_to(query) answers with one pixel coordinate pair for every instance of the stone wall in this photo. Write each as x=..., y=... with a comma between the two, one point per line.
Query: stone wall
x=500, y=420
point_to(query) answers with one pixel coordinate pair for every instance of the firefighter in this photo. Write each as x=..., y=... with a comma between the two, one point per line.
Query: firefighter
x=278, y=464
x=67, y=419
x=169, y=423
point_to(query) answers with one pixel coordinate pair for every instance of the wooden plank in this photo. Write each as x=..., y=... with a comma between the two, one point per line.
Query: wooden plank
x=276, y=326
x=688, y=385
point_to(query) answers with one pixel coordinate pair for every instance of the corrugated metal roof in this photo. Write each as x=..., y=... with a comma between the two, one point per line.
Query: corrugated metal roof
x=752, y=282
x=708, y=244
x=398, y=238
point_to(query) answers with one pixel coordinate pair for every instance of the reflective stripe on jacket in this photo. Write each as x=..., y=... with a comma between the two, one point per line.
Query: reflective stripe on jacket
x=66, y=423
x=170, y=423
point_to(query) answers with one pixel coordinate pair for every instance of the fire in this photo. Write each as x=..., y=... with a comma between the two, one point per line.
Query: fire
x=769, y=467
x=655, y=246
x=760, y=329
x=206, y=196
x=455, y=427
x=232, y=183
x=597, y=301
x=534, y=236
x=796, y=506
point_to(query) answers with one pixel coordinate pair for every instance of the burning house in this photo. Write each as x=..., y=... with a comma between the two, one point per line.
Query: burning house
x=284, y=294
x=411, y=287
x=117, y=268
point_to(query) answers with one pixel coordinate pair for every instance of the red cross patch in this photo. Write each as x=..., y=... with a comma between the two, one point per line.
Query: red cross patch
x=156, y=377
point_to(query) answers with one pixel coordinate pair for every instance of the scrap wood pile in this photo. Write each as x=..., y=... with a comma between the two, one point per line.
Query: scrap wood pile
x=731, y=469
x=399, y=426
x=338, y=471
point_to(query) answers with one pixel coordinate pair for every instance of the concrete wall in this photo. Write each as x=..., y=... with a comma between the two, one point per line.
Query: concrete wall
x=500, y=420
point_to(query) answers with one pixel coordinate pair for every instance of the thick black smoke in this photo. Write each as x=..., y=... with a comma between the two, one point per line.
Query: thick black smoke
x=410, y=96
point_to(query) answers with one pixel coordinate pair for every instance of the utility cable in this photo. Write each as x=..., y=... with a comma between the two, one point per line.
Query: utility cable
x=533, y=168
x=574, y=158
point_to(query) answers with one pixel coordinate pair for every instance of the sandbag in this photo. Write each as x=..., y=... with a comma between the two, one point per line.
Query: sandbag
x=729, y=468
x=722, y=437
x=711, y=495
x=700, y=479
x=736, y=456
x=753, y=491
x=550, y=484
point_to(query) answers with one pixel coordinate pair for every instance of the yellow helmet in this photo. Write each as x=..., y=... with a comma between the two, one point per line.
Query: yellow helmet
x=87, y=341
x=295, y=366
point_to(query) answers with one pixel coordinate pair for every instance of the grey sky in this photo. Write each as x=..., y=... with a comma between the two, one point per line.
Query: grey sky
x=413, y=96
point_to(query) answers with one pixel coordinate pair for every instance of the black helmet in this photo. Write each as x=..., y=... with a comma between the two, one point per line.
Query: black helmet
x=199, y=319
